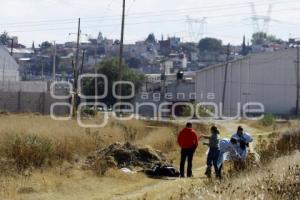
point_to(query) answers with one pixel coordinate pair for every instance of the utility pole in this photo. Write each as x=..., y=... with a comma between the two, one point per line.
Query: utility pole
x=76, y=71
x=163, y=78
x=82, y=62
x=11, y=46
x=42, y=71
x=225, y=78
x=298, y=79
x=3, y=70
x=77, y=50
x=54, y=62
x=96, y=80
x=120, y=78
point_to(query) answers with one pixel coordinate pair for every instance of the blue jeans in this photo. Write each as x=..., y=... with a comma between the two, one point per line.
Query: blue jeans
x=212, y=159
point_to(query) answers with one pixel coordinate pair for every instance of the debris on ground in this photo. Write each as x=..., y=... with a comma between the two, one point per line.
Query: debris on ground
x=162, y=170
x=26, y=190
x=126, y=155
x=127, y=171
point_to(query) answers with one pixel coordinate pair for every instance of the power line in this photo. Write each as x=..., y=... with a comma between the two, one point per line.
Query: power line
x=137, y=23
x=134, y=23
x=141, y=14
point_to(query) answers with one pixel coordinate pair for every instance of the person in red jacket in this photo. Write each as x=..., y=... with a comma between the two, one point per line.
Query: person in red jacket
x=188, y=141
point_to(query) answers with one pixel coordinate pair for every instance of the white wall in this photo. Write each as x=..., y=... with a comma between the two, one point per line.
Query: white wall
x=268, y=78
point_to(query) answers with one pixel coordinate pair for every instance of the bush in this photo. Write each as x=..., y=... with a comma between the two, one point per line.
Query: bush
x=268, y=120
x=88, y=111
x=35, y=151
x=29, y=150
x=284, y=144
x=3, y=112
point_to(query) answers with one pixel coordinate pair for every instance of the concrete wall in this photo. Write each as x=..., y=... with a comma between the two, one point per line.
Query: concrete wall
x=268, y=78
x=33, y=102
x=19, y=97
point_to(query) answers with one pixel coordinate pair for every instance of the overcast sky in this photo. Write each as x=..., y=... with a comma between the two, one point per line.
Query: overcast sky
x=229, y=20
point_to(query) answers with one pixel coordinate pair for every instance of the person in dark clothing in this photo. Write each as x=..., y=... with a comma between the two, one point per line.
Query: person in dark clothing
x=214, y=151
x=188, y=141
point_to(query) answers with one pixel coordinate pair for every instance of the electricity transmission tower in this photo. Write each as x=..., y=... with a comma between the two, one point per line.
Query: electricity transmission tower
x=257, y=19
x=196, y=28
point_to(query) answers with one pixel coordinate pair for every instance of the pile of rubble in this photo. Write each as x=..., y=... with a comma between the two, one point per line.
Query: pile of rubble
x=126, y=155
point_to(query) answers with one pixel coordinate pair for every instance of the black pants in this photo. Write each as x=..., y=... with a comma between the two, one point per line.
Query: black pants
x=186, y=153
x=219, y=173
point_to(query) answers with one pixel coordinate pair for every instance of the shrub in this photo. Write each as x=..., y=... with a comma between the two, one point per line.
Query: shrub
x=88, y=111
x=3, y=112
x=268, y=120
x=29, y=150
x=284, y=144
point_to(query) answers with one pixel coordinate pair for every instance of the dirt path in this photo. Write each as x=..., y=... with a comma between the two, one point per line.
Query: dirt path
x=164, y=188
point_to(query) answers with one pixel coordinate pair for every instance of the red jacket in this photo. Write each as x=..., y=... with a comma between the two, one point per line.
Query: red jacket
x=187, y=138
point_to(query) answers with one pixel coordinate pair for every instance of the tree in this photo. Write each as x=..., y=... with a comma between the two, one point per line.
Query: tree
x=117, y=42
x=210, y=44
x=45, y=45
x=273, y=38
x=4, y=38
x=109, y=68
x=151, y=38
x=133, y=63
x=245, y=49
x=261, y=38
x=189, y=47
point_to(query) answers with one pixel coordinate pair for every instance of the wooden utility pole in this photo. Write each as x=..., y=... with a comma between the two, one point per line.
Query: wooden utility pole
x=298, y=79
x=12, y=46
x=163, y=79
x=225, y=78
x=3, y=70
x=77, y=49
x=76, y=71
x=120, y=78
x=96, y=80
x=42, y=71
x=54, y=62
x=82, y=62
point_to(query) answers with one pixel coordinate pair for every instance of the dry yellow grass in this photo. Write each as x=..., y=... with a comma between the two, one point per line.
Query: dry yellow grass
x=66, y=180
x=278, y=179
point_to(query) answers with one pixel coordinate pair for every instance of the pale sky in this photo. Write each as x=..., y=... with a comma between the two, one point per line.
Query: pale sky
x=229, y=20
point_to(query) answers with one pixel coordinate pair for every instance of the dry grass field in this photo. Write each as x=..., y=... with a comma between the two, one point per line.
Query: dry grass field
x=41, y=159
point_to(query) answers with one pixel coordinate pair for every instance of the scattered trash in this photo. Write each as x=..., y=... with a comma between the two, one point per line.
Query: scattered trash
x=127, y=171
